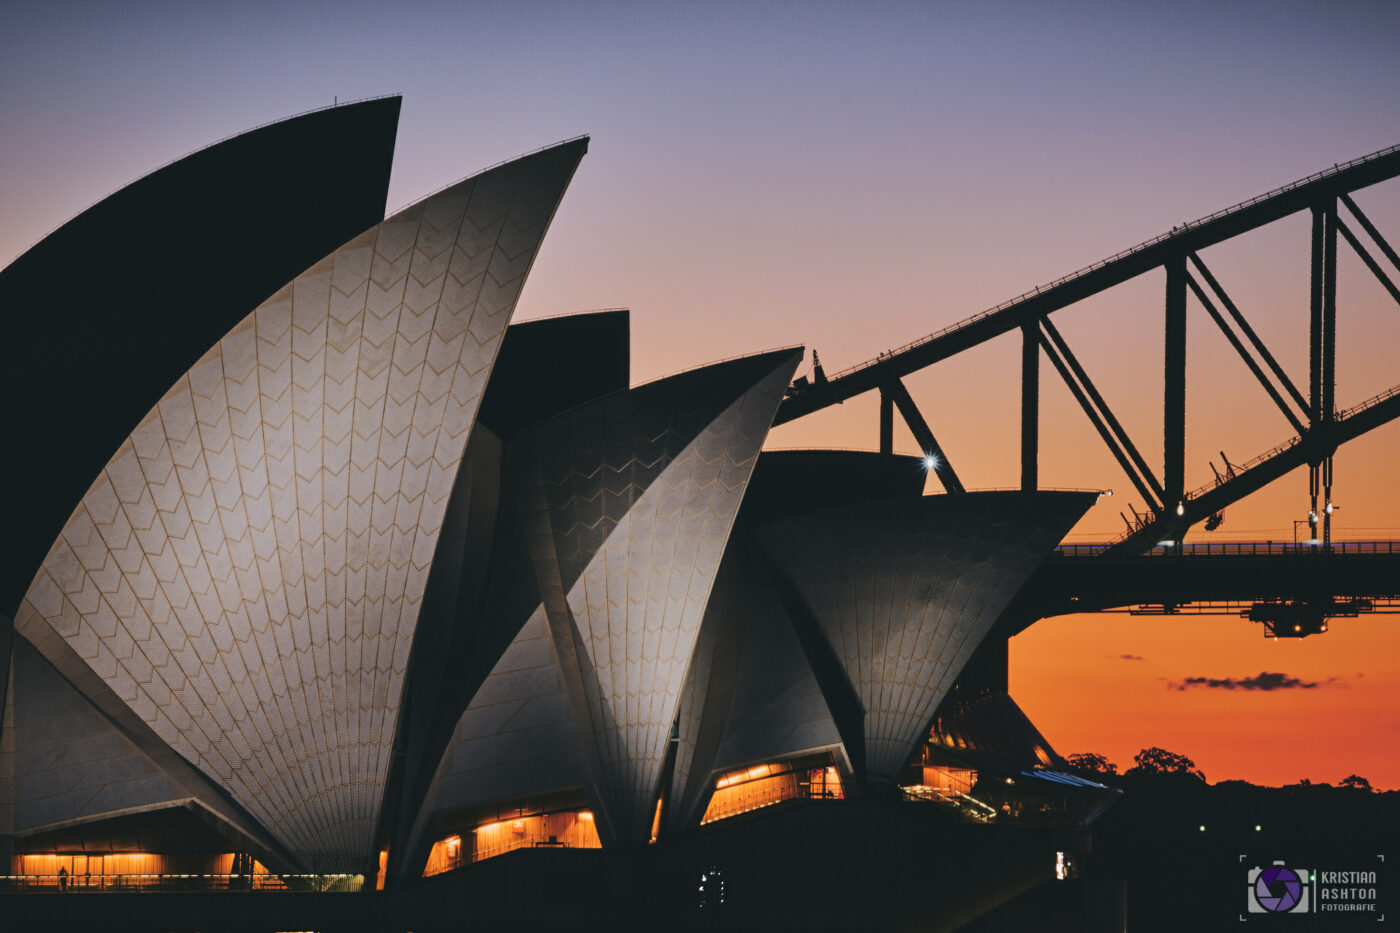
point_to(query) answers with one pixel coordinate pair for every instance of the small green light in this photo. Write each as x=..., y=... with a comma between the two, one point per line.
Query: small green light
x=1312, y=877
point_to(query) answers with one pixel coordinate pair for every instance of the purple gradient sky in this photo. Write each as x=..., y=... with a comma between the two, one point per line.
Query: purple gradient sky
x=850, y=177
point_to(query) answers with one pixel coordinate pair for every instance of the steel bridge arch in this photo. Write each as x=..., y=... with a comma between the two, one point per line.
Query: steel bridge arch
x=1171, y=508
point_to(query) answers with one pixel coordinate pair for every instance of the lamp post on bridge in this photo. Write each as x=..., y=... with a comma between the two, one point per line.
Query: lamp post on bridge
x=1311, y=522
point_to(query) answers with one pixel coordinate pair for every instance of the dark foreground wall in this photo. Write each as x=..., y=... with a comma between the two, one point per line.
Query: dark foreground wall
x=803, y=867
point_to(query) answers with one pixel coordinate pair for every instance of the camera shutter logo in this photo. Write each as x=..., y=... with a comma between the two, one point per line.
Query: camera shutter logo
x=1279, y=890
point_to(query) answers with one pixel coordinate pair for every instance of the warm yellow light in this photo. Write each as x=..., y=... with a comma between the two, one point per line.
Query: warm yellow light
x=518, y=826
x=585, y=814
x=488, y=826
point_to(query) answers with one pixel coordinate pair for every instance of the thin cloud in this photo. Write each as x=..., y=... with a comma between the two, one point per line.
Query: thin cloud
x=1127, y=657
x=1265, y=681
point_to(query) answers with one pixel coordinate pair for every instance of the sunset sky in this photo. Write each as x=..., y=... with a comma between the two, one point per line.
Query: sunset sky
x=851, y=177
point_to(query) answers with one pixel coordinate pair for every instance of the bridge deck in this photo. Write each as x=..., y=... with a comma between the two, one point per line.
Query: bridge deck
x=1080, y=578
x=1240, y=549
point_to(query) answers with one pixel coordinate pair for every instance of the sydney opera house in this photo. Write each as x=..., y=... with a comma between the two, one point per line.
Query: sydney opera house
x=336, y=600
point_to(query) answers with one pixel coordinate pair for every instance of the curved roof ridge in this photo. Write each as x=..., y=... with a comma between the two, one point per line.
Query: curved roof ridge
x=476, y=173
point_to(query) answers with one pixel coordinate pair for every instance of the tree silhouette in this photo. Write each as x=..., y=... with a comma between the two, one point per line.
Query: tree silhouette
x=1159, y=762
x=1092, y=762
x=1356, y=782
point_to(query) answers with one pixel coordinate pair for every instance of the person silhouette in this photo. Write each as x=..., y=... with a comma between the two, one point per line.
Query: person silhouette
x=63, y=879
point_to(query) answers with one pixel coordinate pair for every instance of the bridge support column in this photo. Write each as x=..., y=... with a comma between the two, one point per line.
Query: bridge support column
x=1315, y=319
x=1322, y=361
x=1329, y=356
x=1030, y=404
x=1327, y=499
x=1174, y=408
x=1329, y=311
x=886, y=423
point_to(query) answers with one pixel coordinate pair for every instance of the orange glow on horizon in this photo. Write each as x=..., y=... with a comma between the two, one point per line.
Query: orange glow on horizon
x=1128, y=691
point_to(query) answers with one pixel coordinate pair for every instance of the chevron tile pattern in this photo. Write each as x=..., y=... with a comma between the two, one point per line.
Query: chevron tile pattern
x=750, y=695
x=626, y=595
x=637, y=605
x=69, y=761
x=516, y=737
x=778, y=710
x=702, y=700
x=905, y=591
x=246, y=572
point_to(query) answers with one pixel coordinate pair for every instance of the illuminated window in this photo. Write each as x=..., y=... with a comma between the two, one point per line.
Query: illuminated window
x=947, y=782
x=656, y=822
x=767, y=784
x=826, y=784
x=134, y=871
x=564, y=829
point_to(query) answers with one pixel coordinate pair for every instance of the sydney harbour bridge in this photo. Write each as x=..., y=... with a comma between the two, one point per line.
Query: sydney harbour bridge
x=1292, y=588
